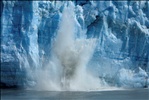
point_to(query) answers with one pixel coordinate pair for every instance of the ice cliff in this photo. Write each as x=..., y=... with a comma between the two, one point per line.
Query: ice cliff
x=29, y=30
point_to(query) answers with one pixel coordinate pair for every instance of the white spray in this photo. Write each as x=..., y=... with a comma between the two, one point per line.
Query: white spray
x=67, y=68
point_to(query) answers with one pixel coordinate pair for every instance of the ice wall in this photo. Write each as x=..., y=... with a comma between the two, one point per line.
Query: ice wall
x=121, y=28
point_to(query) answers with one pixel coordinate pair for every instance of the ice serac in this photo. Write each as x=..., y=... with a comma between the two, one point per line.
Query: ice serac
x=19, y=47
x=31, y=41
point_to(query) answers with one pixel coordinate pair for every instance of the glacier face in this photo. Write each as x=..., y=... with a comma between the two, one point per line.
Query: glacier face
x=121, y=28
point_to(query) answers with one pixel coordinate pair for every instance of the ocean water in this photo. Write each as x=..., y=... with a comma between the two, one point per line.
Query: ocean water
x=131, y=94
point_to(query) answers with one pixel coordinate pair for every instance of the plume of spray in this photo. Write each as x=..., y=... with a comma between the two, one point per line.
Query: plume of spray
x=70, y=56
x=74, y=54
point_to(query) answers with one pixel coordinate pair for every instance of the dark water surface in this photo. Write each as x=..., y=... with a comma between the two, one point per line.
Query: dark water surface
x=133, y=94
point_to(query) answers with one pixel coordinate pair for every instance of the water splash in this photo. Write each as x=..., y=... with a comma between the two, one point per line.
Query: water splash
x=70, y=56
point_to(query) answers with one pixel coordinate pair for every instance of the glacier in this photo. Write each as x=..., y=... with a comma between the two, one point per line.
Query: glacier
x=75, y=45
